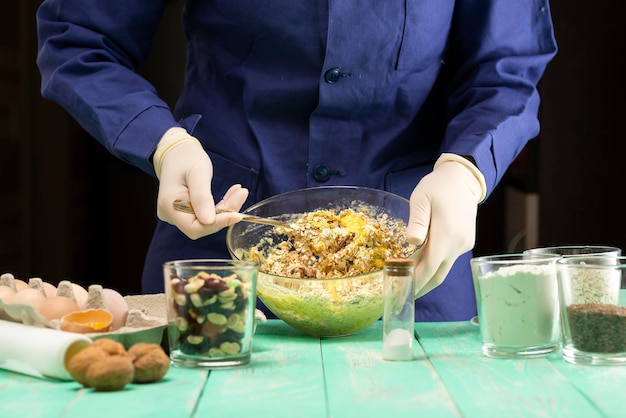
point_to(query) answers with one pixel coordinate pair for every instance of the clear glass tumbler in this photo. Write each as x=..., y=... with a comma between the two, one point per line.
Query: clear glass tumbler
x=593, y=317
x=569, y=250
x=210, y=310
x=517, y=300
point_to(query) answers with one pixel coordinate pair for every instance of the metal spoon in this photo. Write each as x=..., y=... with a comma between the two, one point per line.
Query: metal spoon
x=185, y=206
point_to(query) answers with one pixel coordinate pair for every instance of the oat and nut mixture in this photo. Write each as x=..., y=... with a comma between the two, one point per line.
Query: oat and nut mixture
x=326, y=244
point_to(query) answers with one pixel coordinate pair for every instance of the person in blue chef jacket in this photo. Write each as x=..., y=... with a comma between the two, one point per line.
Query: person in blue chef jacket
x=431, y=100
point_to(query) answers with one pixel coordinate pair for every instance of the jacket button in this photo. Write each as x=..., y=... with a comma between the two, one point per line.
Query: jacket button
x=333, y=75
x=321, y=173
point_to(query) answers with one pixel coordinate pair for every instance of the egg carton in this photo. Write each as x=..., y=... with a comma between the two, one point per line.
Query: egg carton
x=146, y=320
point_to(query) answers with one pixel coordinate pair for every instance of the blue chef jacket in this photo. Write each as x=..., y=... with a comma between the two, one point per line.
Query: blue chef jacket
x=288, y=94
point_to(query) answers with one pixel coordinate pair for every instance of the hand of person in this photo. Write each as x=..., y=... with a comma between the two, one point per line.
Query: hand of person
x=185, y=171
x=443, y=209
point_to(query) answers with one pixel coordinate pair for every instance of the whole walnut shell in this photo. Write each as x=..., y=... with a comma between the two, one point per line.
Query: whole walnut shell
x=112, y=347
x=105, y=365
x=150, y=361
x=78, y=364
x=110, y=373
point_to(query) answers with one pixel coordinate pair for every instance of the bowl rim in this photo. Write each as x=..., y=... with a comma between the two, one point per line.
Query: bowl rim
x=315, y=189
x=322, y=188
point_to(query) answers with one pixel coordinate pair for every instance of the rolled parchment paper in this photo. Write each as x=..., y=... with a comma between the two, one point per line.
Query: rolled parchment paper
x=37, y=351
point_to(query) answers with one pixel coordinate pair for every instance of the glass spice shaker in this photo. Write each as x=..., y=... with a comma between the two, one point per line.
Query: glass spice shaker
x=398, y=309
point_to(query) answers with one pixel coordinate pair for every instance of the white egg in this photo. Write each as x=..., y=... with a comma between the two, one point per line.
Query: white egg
x=56, y=307
x=6, y=294
x=80, y=294
x=20, y=284
x=116, y=304
x=50, y=289
x=29, y=296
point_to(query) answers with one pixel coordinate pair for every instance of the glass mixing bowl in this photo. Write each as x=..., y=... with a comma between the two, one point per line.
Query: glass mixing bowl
x=332, y=306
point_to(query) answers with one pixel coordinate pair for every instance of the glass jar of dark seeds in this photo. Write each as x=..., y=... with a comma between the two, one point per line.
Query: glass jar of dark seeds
x=593, y=318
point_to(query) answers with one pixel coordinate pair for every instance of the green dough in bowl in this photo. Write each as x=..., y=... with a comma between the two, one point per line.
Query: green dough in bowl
x=324, y=308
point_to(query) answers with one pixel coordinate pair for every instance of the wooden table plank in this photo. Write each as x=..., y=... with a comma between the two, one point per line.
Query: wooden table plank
x=603, y=386
x=25, y=396
x=284, y=379
x=361, y=384
x=483, y=386
x=22, y=395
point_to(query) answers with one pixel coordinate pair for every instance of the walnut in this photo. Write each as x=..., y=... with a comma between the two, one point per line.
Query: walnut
x=111, y=346
x=110, y=373
x=150, y=361
x=105, y=365
x=78, y=364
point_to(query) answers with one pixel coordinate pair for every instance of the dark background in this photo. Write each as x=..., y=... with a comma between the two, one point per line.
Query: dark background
x=69, y=210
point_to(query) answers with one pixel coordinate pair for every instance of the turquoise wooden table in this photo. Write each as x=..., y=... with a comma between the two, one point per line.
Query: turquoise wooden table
x=295, y=375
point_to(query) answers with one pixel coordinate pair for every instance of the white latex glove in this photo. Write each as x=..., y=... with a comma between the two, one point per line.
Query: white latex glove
x=185, y=171
x=443, y=209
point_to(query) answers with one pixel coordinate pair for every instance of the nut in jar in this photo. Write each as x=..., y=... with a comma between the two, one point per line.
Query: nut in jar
x=211, y=312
